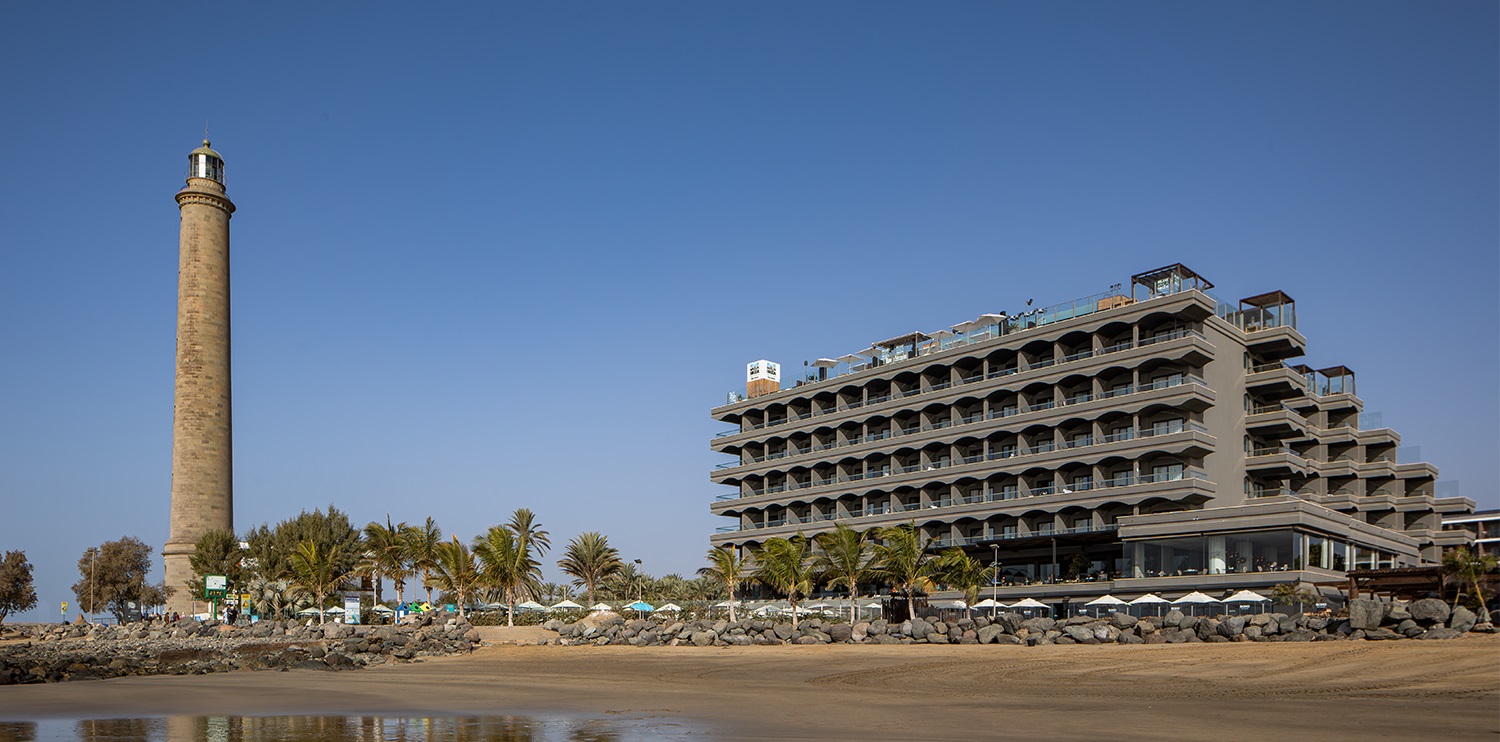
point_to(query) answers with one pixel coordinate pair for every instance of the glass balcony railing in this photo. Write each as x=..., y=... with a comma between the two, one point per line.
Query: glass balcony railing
x=972, y=419
x=1006, y=453
x=1186, y=475
x=1073, y=358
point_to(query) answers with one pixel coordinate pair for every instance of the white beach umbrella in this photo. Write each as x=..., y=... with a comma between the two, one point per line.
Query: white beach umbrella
x=1154, y=602
x=600, y=607
x=728, y=603
x=1028, y=605
x=378, y=608
x=1195, y=599
x=1246, y=596
x=1245, y=600
x=989, y=603
x=566, y=605
x=531, y=605
x=670, y=608
x=1106, y=602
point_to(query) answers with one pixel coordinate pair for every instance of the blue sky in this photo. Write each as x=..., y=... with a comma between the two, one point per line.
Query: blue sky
x=505, y=257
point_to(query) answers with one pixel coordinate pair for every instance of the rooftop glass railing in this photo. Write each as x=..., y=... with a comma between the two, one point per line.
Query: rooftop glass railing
x=1167, y=383
x=897, y=394
x=1003, y=326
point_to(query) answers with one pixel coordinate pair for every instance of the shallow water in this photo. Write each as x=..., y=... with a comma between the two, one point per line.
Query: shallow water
x=508, y=728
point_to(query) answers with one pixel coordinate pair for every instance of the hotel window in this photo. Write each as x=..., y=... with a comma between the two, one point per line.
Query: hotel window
x=1166, y=380
x=1163, y=427
x=1166, y=473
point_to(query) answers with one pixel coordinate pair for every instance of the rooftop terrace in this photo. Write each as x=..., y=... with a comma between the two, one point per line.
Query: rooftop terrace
x=1253, y=314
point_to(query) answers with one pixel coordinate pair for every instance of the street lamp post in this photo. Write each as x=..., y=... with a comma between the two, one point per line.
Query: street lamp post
x=640, y=577
x=995, y=582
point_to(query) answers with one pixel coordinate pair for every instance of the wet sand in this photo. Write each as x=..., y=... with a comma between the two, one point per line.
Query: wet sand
x=1404, y=690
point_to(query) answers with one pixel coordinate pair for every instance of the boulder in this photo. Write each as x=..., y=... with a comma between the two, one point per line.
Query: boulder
x=860, y=631
x=919, y=629
x=783, y=631
x=1123, y=620
x=840, y=632
x=1040, y=624
x=1232, y=626
x=1462, y=619
x=1365, y=613
x=1077, y=633
x=1254, y=632
x=1381, y=635
x=703, y=638
x=988, y=634
x=1397, y=610
x=1429, y=610
x=1440, y=634
x=1207, y=628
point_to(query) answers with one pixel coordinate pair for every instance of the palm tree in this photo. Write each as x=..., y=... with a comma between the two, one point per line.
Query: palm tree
x=269, y=598
x=529, y=533
x=590, y=560
x=630, y=583
x=844, y=560
x=963, y=572
x=725, y=567
x=506, y=565
x=1471, y=567
x=785, y=566
x=901, y=559
x=317, y=572
x=385, y=557
x=455, y=571
x=421, y=544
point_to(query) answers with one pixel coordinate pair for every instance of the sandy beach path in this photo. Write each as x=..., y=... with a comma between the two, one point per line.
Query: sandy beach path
x=1448, y=690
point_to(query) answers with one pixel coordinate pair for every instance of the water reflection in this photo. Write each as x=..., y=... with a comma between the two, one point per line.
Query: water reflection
x=498, y=728
x=17, y=731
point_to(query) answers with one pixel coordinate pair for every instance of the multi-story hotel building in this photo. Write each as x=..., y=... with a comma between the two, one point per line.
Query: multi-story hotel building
x=1149, y=438
x=1482, y=526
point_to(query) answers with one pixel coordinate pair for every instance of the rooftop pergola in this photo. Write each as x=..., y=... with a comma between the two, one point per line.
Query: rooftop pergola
x=1169, y=280
x=1271, y=309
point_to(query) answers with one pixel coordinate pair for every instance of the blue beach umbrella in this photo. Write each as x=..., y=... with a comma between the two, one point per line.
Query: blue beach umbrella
x=642, y=606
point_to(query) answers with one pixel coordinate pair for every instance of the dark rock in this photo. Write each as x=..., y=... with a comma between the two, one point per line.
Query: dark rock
x=1381, y=635
x=1462, y=619
x=1123, y=620
x=1365, y=613
x=1078, y=633
x=1232, y=626
x=840, y=632
x=1429, y=610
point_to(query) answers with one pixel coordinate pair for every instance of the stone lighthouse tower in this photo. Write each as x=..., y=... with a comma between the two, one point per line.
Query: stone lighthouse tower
x=202, y=467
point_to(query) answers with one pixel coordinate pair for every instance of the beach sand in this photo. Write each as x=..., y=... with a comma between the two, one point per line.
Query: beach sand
x=1406, y=690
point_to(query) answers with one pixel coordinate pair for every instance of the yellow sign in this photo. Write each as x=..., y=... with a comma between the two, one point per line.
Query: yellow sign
x=65, y=607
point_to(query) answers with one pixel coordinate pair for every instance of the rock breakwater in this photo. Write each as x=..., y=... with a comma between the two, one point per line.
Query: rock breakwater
x=1366, y=620
x=54, y=653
